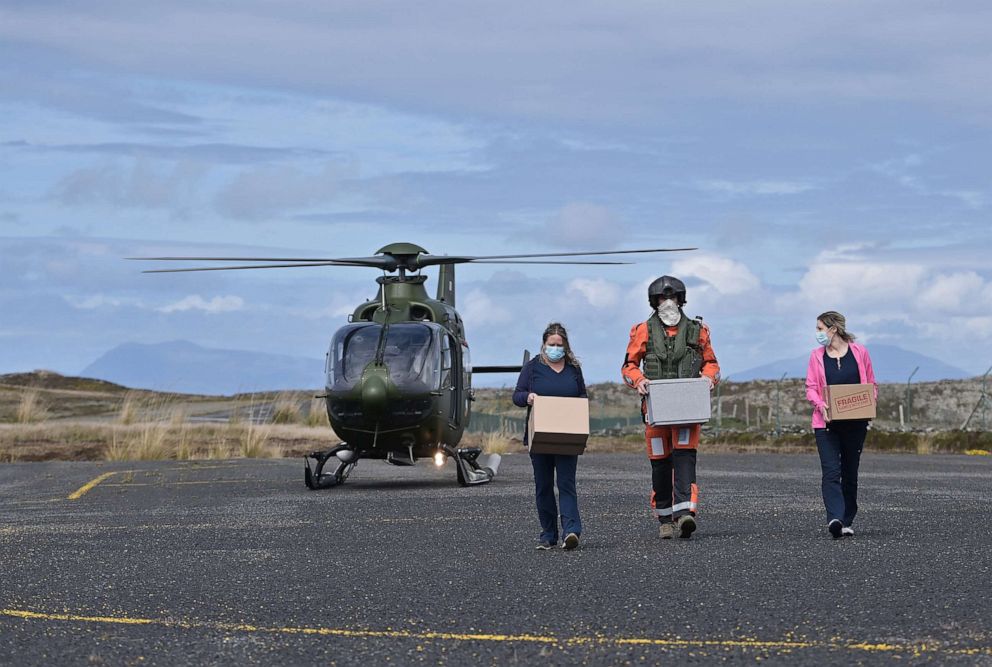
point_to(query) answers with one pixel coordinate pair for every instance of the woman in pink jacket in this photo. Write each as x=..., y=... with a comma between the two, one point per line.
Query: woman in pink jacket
x=839, y=360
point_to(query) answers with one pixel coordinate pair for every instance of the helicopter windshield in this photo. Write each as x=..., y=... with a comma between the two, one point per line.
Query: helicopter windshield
x=409, y=352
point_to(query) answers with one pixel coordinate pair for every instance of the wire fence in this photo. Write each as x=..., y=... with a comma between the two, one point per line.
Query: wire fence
x=772, y=406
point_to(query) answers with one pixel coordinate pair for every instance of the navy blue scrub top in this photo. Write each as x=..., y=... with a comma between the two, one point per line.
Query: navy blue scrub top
x=546, y=382
x=848, y=373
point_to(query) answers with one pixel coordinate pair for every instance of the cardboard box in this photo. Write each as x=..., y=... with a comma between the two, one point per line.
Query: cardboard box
x=850, y=401
x=683, y=401
x=558, y=425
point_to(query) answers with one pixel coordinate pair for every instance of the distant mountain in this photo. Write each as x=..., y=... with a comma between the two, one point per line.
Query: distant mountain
x=891, y=364
x=181, y=366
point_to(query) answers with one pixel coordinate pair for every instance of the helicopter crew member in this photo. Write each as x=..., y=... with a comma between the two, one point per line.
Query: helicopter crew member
x=555, y=372
x=671, y=345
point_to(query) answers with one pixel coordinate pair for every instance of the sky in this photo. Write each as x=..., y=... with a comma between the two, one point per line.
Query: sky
x=821, y=156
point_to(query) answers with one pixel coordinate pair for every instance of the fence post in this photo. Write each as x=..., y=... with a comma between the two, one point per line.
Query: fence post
x=778, y=406
x=985, y=399
x=719, y=408
x=909, y=397
x=982, y=403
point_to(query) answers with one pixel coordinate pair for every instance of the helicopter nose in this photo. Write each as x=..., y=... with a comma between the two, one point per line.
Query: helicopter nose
x=374, y=394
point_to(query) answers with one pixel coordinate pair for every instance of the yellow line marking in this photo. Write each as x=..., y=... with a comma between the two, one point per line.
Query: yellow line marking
x=785, y=645
x=88, y=486
x=184, y=482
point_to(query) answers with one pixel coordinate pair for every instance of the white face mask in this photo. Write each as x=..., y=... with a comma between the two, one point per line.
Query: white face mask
x=668, y=312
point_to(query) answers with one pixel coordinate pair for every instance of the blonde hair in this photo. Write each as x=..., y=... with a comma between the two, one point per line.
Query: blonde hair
x=556, y=328
x=834, y=320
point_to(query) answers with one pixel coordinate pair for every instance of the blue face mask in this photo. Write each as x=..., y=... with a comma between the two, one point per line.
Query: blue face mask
x=822, y=338
x=554, y=352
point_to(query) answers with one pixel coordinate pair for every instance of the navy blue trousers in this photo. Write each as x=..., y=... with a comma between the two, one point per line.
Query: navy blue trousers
x=840, y=446
x=545, y=467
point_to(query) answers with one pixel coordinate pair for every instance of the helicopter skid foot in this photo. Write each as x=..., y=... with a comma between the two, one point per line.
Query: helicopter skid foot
x=472, y=468
x=315, y=477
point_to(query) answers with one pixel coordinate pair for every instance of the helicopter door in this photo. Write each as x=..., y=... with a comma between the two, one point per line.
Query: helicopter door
x=451, y=379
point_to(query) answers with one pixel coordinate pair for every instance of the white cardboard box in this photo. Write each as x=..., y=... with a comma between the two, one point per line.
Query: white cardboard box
x=683, y=401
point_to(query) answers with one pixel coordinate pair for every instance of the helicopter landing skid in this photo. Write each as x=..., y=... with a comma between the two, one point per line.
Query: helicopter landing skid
x=316, y=478
x=473, y=469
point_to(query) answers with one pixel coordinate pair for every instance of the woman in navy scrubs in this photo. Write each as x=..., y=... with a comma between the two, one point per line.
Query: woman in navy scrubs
x=555, y=372
x=838, y=360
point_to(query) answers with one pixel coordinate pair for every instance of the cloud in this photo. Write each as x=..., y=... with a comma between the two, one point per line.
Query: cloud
x=218, y=304
x=583, y=225
x=861, y=283
x=479, y=310
x=558, y=66
x=895, y=298
x=268, y=191
x=736, y=188
x=954, y=291
x=599, y=293
x=726, y=276
x=138, y=183
x=96, y=301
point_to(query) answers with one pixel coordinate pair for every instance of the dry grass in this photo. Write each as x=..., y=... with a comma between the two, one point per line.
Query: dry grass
x=128, y=413
x=31, y=408
x=254, y=443
x=498, y=442
x=317, y=414
x=286, y=410
x=118, y=449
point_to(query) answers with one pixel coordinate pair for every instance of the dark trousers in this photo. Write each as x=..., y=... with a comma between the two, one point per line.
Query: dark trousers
x=673, y=480
x=545, y=467
x=840, y=446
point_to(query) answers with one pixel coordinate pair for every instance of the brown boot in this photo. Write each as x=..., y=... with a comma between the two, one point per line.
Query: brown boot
x=667, y=530
x=685, y=526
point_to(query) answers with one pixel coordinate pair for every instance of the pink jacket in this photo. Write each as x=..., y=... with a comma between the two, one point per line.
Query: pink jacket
x=816, y=379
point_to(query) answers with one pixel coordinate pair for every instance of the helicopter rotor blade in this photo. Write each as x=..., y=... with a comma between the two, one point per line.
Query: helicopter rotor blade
x=514, y=261
x=251, y=266
x=376, y=262
x=428, y=260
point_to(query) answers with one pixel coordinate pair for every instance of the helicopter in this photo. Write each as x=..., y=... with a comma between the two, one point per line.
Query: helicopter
x=399, y=374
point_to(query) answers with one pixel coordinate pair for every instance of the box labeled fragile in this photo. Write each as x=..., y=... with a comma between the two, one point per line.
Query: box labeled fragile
x=850, y=401
x=558, y=425
x=682, y=401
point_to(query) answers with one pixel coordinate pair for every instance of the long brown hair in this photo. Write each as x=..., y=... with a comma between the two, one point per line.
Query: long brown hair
x=833, y=319
x=557, y=328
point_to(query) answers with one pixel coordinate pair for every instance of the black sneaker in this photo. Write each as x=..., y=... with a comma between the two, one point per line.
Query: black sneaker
x=836, y=528
x=685, y=526
x=545, y=546
x=571, y=542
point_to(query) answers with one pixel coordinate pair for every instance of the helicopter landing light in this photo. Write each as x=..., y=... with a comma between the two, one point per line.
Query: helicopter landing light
x=439, y=459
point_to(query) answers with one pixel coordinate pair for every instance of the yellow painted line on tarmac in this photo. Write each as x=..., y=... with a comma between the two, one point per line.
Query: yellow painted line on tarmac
x=183, y=482
x=88, y=486
x=598, y=640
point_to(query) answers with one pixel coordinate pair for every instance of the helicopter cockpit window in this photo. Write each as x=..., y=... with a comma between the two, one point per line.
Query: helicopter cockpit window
x=410, y=356
x=352, y=349
x=410, y=352
x=445, y=362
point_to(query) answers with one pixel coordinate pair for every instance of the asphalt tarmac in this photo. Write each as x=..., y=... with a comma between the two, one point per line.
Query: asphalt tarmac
x=236, y=562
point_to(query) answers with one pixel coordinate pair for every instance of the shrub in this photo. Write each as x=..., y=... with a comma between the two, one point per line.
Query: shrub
x=32, y=408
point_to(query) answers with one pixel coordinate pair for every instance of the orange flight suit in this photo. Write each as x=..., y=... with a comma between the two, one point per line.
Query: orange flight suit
x=675, y=491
